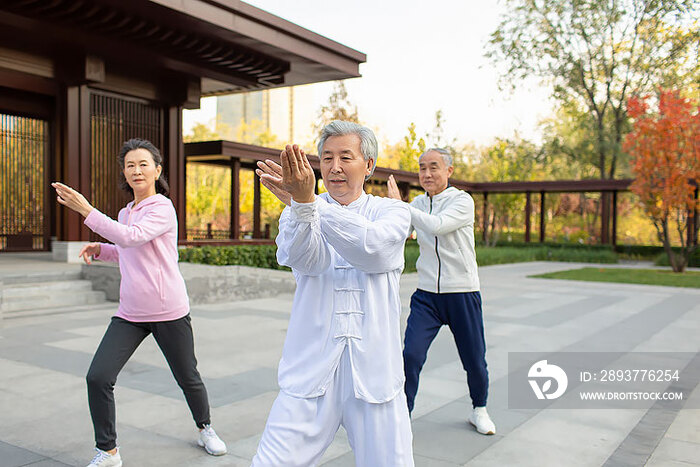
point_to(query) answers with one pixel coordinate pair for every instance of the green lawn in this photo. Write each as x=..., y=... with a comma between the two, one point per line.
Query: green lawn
x=628, y=276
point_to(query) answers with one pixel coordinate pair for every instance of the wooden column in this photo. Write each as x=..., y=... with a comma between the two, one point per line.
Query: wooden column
x=604, y=218
x=542, y=211
x=528, y=212
x=484, y=220
x=234, y=225
x=405, y=189
x=75, y=170
x=614, y=218
x=318, y=180
x=257, y=233
x=175, y=165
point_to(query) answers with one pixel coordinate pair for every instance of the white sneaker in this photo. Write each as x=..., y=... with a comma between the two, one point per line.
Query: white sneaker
x=481, y=421
x=211, y=442
x=105, y=459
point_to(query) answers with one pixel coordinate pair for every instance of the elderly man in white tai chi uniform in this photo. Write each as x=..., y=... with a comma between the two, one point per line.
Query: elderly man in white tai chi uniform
x=342, y=362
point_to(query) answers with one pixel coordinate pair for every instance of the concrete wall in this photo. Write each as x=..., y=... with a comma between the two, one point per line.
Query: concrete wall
x=205, y=284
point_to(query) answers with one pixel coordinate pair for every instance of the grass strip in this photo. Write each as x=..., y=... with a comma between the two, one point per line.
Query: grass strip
x=690, y=279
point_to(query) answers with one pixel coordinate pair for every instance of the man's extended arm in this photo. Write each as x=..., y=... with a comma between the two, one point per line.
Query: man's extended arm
x=373, y=246
x=459, y=214
x=300, y=244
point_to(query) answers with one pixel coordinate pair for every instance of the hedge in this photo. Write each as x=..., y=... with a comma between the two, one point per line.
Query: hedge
x=693, y=261
x=264, y=256
x=260, y=256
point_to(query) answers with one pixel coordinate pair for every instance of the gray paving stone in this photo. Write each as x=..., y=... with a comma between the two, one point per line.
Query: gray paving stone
x=12, y=456
x=48, y=463
x=43, y=360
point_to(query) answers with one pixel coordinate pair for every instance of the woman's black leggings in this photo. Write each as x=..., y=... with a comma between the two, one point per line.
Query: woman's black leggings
x=175, y=340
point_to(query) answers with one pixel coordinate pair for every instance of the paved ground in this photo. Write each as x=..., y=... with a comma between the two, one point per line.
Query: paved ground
x=44, y=419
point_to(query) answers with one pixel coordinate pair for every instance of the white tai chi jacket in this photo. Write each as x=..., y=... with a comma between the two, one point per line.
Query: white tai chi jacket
x=347, y=261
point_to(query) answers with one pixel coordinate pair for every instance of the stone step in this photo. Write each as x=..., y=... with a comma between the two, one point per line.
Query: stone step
x=51, y=300
x=44, y=276
x=41, y=289
x=110, y=307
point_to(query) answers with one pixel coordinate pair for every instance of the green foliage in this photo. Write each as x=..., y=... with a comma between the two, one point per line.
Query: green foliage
x=501, y=255
x=339, y=107
x=263, y=256
x=693, y=260
x=259, y=256
x=410, y=149
x=628, y=276
x=208, y=196
x=596, y=54
x=507, y=160
x=208, y=186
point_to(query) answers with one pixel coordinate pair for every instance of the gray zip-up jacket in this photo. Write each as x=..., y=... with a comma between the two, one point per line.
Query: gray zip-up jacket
x=445, y=228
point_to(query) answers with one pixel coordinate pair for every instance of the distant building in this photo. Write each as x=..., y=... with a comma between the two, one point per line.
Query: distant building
x=288, y=113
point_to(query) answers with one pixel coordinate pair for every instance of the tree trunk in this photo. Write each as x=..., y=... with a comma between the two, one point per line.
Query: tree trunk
x=677, y=262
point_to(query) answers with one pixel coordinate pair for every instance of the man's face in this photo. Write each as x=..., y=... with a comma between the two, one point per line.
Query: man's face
x=433, y=173
x=344, y=168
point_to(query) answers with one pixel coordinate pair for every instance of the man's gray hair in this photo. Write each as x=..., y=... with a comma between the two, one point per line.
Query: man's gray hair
x=446, y=156
x=368, y=142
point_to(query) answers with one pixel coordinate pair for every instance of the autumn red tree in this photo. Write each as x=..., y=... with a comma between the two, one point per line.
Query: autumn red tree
x=665, y=148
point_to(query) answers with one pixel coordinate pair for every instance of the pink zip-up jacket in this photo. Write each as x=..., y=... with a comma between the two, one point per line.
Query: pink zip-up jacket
x=145, y=246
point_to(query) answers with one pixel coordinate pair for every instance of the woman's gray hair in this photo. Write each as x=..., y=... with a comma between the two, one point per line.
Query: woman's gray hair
x=368, y=142
x=446, y=156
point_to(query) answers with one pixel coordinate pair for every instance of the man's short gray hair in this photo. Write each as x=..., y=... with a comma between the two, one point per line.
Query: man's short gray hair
x=368, y=142
x=446, y=156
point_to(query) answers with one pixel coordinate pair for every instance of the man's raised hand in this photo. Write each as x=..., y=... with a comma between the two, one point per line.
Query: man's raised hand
x=393, y=188
x=297, y=175
x=270, y=173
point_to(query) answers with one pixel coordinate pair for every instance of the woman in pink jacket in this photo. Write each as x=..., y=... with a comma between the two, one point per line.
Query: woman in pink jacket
x=152, y=296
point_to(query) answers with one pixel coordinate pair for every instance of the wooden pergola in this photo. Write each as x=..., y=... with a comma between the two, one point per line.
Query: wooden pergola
x=237, y=156
x=79, y=77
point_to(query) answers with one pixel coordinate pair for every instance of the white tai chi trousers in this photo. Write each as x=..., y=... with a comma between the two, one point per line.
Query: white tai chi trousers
x=299, y=431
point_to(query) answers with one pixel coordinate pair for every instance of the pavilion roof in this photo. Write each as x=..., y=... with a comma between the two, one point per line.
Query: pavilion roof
x=230, y=45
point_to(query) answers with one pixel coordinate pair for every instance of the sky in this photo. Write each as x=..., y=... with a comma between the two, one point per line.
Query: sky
x=421, y=57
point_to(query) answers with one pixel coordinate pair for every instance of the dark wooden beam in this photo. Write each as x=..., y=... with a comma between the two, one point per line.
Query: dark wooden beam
x=528, y=213
x=604, y=217
x=235, y=198
x=484, y=219
x=77, y=69
x=70, y=220
x=614, y=218
x=175, y=165
x=405, y=189
x=542, y=213
x=257, y=206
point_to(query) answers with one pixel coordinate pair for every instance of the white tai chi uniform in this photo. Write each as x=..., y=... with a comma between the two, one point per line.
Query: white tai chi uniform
x=342, y=362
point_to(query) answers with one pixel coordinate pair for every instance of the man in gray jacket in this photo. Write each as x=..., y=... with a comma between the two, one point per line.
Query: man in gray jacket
x=448, y=282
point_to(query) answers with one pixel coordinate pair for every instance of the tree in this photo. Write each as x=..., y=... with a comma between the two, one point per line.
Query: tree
x=665, y=147
x=208, y=187
x=598, y=53
x=339, y=107
x=410, y=149
x=505, y=161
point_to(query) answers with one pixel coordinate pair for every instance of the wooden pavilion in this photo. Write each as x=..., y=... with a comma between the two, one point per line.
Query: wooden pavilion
x=79, y=77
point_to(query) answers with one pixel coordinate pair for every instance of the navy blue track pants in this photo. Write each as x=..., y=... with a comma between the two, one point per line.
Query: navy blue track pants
x=462, y=313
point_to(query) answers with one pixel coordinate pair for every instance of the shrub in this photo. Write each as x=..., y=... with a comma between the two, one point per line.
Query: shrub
x=259, y=256
x=693, y=261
